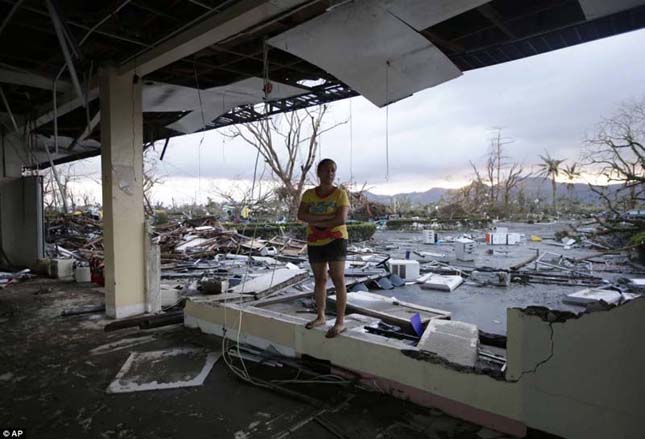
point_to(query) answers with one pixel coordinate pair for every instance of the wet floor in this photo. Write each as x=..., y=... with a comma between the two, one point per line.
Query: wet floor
x=486, y=306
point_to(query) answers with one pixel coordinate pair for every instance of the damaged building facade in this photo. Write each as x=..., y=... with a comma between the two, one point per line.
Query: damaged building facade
x=75, y=84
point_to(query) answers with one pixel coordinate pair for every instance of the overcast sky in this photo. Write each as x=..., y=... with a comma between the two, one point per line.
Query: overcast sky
x=549, y=101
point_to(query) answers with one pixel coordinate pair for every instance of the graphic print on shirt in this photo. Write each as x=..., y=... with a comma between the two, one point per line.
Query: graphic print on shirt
x=327, y=205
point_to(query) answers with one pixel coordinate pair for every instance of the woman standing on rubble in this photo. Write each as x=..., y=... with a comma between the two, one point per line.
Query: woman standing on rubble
x=324, y=209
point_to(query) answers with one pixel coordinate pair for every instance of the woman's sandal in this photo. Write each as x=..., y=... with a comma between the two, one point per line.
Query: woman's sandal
x=331, y=333
x=313, y=324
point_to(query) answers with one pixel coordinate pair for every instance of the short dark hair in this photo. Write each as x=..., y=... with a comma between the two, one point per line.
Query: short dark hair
x=323, y=162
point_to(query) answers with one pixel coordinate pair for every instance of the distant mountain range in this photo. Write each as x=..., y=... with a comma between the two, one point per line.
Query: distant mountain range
x=534, y=187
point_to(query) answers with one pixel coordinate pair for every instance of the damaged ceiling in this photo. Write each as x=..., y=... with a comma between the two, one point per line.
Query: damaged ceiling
x=397, y=47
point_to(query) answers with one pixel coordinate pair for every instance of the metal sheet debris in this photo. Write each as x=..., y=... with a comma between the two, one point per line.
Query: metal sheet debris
x=158, y=370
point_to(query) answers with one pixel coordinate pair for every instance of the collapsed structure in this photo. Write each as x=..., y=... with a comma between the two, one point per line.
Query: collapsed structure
x=527, y=379
x=74, y=85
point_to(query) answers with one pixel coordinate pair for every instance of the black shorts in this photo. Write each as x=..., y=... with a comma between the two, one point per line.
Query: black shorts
x=334, y=251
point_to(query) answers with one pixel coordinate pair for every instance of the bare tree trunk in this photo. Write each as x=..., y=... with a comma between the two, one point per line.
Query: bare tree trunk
x=279, y=140
x=554, y=187
x=61, y=188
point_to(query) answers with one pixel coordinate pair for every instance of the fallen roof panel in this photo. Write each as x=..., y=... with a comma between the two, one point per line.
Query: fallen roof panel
x=370, y=50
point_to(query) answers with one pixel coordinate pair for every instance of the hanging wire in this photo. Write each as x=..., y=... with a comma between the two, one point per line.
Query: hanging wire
x=387, y=121
x=199, y=147
x=243, y=372
x=351, y=145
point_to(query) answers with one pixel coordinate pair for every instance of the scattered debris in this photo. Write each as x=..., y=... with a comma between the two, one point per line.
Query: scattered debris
x=156, y=370
x=457, y=342
x=440, y=282
x=86, y=309
x=464, y=249
x=7, y=279
x=390, y=310
x=147, y=321
x=406, y=269
x=491, y=278
x=594, y=295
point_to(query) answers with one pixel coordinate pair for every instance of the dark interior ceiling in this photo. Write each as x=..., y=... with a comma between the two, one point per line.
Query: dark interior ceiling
x=119, y=30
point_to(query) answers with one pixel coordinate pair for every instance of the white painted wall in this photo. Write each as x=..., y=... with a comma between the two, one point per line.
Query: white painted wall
x=21, y=219
x=589, y=382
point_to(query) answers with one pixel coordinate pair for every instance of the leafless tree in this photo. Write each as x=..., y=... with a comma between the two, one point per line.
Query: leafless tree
x=58, y=182
x=287, y=144
x=510, y=182
x=617, y=152
x=151, y=177
x=501, y=177
x=244, y=195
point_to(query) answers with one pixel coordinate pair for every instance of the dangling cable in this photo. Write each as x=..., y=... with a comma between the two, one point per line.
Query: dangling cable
x=387, y=121
x=199, y=147
x=255, y=173
x=351, y=145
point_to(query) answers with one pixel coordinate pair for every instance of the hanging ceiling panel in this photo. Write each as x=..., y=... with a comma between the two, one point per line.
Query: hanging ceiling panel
x=422, y=14
x=600, y=8
x=214, y=101
x=371, y=50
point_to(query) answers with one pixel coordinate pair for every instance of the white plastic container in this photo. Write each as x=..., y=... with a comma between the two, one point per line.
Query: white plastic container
x=429, y=237
x=464, y=249
x=83, y=274
x=513, y=238
x=62, y=269
x=406, y=269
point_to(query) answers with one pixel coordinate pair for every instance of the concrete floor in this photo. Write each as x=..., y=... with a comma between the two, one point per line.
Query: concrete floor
x=486, y=306
x=53, y=386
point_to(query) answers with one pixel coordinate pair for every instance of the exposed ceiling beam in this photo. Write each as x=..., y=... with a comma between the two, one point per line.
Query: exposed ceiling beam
x=230, y=22
x=34, y=80
x=70, y=105
x=491, y=14
x=13, y=10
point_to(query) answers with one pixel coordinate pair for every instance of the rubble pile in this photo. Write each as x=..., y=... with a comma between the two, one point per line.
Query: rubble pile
x=78, y=236
x=81, y=237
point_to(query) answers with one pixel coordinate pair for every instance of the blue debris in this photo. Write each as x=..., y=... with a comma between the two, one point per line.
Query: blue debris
x=415, y=322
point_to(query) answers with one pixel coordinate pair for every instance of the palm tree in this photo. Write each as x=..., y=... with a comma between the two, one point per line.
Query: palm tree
x=550, y=168
x=572, y=173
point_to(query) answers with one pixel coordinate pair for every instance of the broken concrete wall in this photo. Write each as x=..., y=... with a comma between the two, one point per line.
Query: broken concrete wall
x=21, y=219
x=460, y=393
x=580, y=377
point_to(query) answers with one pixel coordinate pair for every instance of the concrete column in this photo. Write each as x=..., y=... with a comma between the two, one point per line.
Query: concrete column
x=11, y=149
x=122, y=176
x=21, y=220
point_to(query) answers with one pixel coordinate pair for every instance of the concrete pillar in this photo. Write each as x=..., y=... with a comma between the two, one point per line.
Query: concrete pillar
x=153, y=273
x=122, y=177
x=12, y=154
x=21, y=220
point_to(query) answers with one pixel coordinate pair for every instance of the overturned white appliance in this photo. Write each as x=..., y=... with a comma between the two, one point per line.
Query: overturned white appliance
x=406, y=269
x=440, y=282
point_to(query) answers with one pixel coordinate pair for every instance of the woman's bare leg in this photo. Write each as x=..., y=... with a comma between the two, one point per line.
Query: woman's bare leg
x=320, y=293
x=337, y=272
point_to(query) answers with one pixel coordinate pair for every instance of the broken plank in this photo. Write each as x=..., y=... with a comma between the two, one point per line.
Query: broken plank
x=139, y=320
x=270, y=282
x=385, y=309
